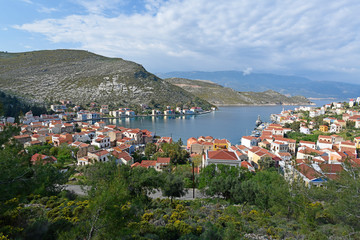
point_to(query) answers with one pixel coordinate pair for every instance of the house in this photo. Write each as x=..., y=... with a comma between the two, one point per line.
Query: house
x=323, y=128
x=277, y=147
x=100, y=124
x=161, y=163
x=335, y=128
x=101, y=141
x=201, y=147
x=256, y=154
x=123, y=157
x=221, y=144
x=324, y=142
x=81, y=137
x=304, y=130
x=190, y=141
x=331, y=171
x=36, y=158
x=309, y=175
x=62, y=138
x=83, y=149
x=249, y=141
x=58, y=108
x=22, y=138
x=32, y=143
x=67, y=127
x=307, y=144
x=135, y=134
x=114, y=136
x=165, y=140
x=99, y=156
x=147, y=164
x=308, y=153
x=155, y=112
x=220, y=157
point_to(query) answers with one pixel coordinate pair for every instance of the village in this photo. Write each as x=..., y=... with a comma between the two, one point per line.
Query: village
x=308, y=143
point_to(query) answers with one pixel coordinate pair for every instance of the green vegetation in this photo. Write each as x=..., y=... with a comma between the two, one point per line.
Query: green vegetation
x=83, y=77
x=241, y=205
x=11, y=106
x=171, y=150
x=217, y=94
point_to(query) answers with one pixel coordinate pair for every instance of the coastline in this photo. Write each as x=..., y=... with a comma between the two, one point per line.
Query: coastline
x=150, y=115
x=264, y=104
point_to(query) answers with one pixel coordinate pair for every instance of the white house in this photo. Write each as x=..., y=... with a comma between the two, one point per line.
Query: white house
x=249, y=141
x=220, y=157
x=101, y=141
x=304, y=130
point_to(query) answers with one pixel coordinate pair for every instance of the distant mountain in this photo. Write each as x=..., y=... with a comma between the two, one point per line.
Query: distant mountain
x=82, y=77
x=219, y=95
x=257, y=82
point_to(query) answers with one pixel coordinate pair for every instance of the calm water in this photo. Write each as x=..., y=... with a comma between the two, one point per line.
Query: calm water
x=228, y=122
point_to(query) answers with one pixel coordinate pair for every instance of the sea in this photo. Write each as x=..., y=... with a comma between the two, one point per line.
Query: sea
x=227, y=122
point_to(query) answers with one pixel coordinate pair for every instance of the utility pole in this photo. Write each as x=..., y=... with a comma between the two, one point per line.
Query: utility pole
x=193, y=179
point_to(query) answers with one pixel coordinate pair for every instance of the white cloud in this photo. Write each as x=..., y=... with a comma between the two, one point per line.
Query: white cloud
x=43, y=9
x=28, y=1
x=247, y=71
x=211, y=35
x=98, y=6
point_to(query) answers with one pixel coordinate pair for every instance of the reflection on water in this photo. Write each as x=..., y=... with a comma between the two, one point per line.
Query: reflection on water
x=228, y=122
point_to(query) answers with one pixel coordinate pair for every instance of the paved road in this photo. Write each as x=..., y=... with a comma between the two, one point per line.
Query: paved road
x=76, y=189
x=188, y=196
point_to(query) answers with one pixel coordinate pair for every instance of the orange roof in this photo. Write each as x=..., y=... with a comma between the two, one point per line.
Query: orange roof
x=101, y=153
x=307, y=142
x=221, y=141
x=163, y=160
x=123, y=155
x=308, y=172
x=222, y=155
x=331, y=168
x=148, y=163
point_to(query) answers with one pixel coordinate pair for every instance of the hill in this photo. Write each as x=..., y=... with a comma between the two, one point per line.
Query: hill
x=83, y=77
x=257, y=82
x=219, y=95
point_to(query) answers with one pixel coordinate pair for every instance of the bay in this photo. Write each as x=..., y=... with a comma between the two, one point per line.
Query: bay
x=228, y=122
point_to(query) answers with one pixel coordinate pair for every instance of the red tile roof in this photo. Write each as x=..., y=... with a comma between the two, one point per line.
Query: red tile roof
x=148, y=163
x=163, y=160
x=222, y=155
x=331, y=168
x=308, y=172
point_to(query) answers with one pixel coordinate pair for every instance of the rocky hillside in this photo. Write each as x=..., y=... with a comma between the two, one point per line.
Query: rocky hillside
x=283, y=84
x=82, y=77
x=219, y=95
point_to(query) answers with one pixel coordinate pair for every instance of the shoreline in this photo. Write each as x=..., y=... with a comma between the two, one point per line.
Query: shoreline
x=150, y=115
x=262, y=105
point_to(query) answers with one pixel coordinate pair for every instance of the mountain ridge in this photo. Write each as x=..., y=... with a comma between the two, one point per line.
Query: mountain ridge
x=83, y=77
x=293, y=85
x=219, y=95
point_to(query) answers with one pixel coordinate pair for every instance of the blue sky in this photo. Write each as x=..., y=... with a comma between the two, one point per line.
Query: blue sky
x=319, y=39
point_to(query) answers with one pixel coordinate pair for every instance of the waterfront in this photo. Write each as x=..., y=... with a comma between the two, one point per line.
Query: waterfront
x=228, y=122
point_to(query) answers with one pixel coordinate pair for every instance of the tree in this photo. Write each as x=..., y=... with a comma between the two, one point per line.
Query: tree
x=266, y=163
x=220, y=180
x=150, y=149
x=342, y=195
x=173, y=186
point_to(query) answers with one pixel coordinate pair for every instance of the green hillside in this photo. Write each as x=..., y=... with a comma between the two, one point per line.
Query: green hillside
x=83, y=77
x=219, y=95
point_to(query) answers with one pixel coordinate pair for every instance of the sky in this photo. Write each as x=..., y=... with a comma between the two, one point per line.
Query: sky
x=318, y=39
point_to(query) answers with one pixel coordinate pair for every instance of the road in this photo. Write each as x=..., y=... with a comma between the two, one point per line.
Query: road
x=188, y=196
